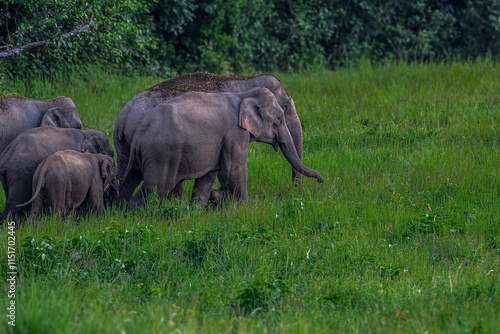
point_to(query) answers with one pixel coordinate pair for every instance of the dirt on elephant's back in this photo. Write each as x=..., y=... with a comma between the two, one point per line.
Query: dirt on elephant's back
x=6, y=102
x=200, y=81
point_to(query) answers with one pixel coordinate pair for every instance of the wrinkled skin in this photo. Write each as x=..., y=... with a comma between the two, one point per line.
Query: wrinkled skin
x=198, y=135
x=66, y=178
x=19, y=114
x=21, y=158
x=135, y=110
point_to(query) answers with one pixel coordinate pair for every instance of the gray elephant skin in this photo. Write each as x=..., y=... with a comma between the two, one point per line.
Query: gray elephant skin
x=19, y=114
x=21, y=158
x=198, y=135
x=139, y=106
x=65, y=179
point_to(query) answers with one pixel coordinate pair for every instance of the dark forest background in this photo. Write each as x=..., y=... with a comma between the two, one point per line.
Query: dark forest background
x=168, y=37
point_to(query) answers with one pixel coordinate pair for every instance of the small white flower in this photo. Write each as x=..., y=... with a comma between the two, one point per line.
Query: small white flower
x=44, y=256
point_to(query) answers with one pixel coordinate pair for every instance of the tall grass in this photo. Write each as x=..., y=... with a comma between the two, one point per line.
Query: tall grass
x=403, y=236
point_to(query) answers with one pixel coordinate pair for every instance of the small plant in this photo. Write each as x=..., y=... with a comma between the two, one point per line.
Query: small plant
x=438, y=221
x=292, y=209
x=261, y=293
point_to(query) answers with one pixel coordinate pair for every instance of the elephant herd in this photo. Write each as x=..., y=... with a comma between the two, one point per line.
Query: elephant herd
x=196, y=126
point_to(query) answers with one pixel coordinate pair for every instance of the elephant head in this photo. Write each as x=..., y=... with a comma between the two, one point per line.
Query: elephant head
x=97, y=142
x=109, y=172
x=61, y=118
x=263, y=117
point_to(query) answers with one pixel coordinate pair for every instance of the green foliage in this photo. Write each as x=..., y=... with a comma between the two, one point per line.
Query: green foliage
x=166, y=37
x=121, y=35
x=261, y=294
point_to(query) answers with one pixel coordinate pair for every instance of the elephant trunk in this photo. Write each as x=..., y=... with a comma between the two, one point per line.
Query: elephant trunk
x=295, y=128
x=287, y=147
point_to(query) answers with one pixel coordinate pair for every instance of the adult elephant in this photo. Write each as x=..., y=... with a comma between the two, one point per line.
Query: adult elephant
x=201, y=135
x=19, y=114
x=136, y=109
x=21, y=158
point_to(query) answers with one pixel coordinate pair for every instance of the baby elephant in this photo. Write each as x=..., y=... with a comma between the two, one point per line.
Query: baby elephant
x=66, y=178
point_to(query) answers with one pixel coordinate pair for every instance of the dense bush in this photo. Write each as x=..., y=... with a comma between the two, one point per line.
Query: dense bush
x=121, y=35
x=170, y=36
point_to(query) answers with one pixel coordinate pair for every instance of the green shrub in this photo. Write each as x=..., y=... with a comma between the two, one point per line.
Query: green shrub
x=166, y=37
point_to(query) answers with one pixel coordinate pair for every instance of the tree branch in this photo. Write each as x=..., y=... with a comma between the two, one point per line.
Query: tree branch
x=70, y=34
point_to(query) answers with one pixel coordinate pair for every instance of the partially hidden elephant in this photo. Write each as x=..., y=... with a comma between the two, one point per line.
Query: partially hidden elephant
x=140, y=105
x=65, y=179
x=22, y=156
x=200, y=136
x=19, y=113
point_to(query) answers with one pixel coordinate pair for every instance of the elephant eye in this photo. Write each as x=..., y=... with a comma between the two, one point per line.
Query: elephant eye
x=285, y=107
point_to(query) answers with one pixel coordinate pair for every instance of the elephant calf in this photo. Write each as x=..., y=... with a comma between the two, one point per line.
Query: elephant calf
x=20, y=159
x=66, y=178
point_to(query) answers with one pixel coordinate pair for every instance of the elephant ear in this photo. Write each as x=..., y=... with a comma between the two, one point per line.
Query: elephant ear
x=105, y=169
x=250, y=117
x=52, y=117
x=91, y=144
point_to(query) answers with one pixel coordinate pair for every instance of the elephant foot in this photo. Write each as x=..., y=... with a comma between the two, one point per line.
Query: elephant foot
x=217, y=197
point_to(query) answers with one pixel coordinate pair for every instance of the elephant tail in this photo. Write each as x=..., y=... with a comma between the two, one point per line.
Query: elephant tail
x=130, y=160
x=119, y=130
x=41, y=181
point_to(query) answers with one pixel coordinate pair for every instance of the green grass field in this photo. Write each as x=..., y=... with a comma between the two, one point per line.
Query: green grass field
x=403, y=235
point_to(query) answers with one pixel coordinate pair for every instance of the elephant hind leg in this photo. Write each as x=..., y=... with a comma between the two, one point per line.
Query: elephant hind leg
x=129, y=184
x=178, y=191
x=36, y=209
x=157, y=178
x=202, y=188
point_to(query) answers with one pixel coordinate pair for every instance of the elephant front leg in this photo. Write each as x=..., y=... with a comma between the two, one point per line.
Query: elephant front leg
x=233, y=174
x=202, y=188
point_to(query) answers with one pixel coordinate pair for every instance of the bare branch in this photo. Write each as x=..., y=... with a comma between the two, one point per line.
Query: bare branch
x=70, y=34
